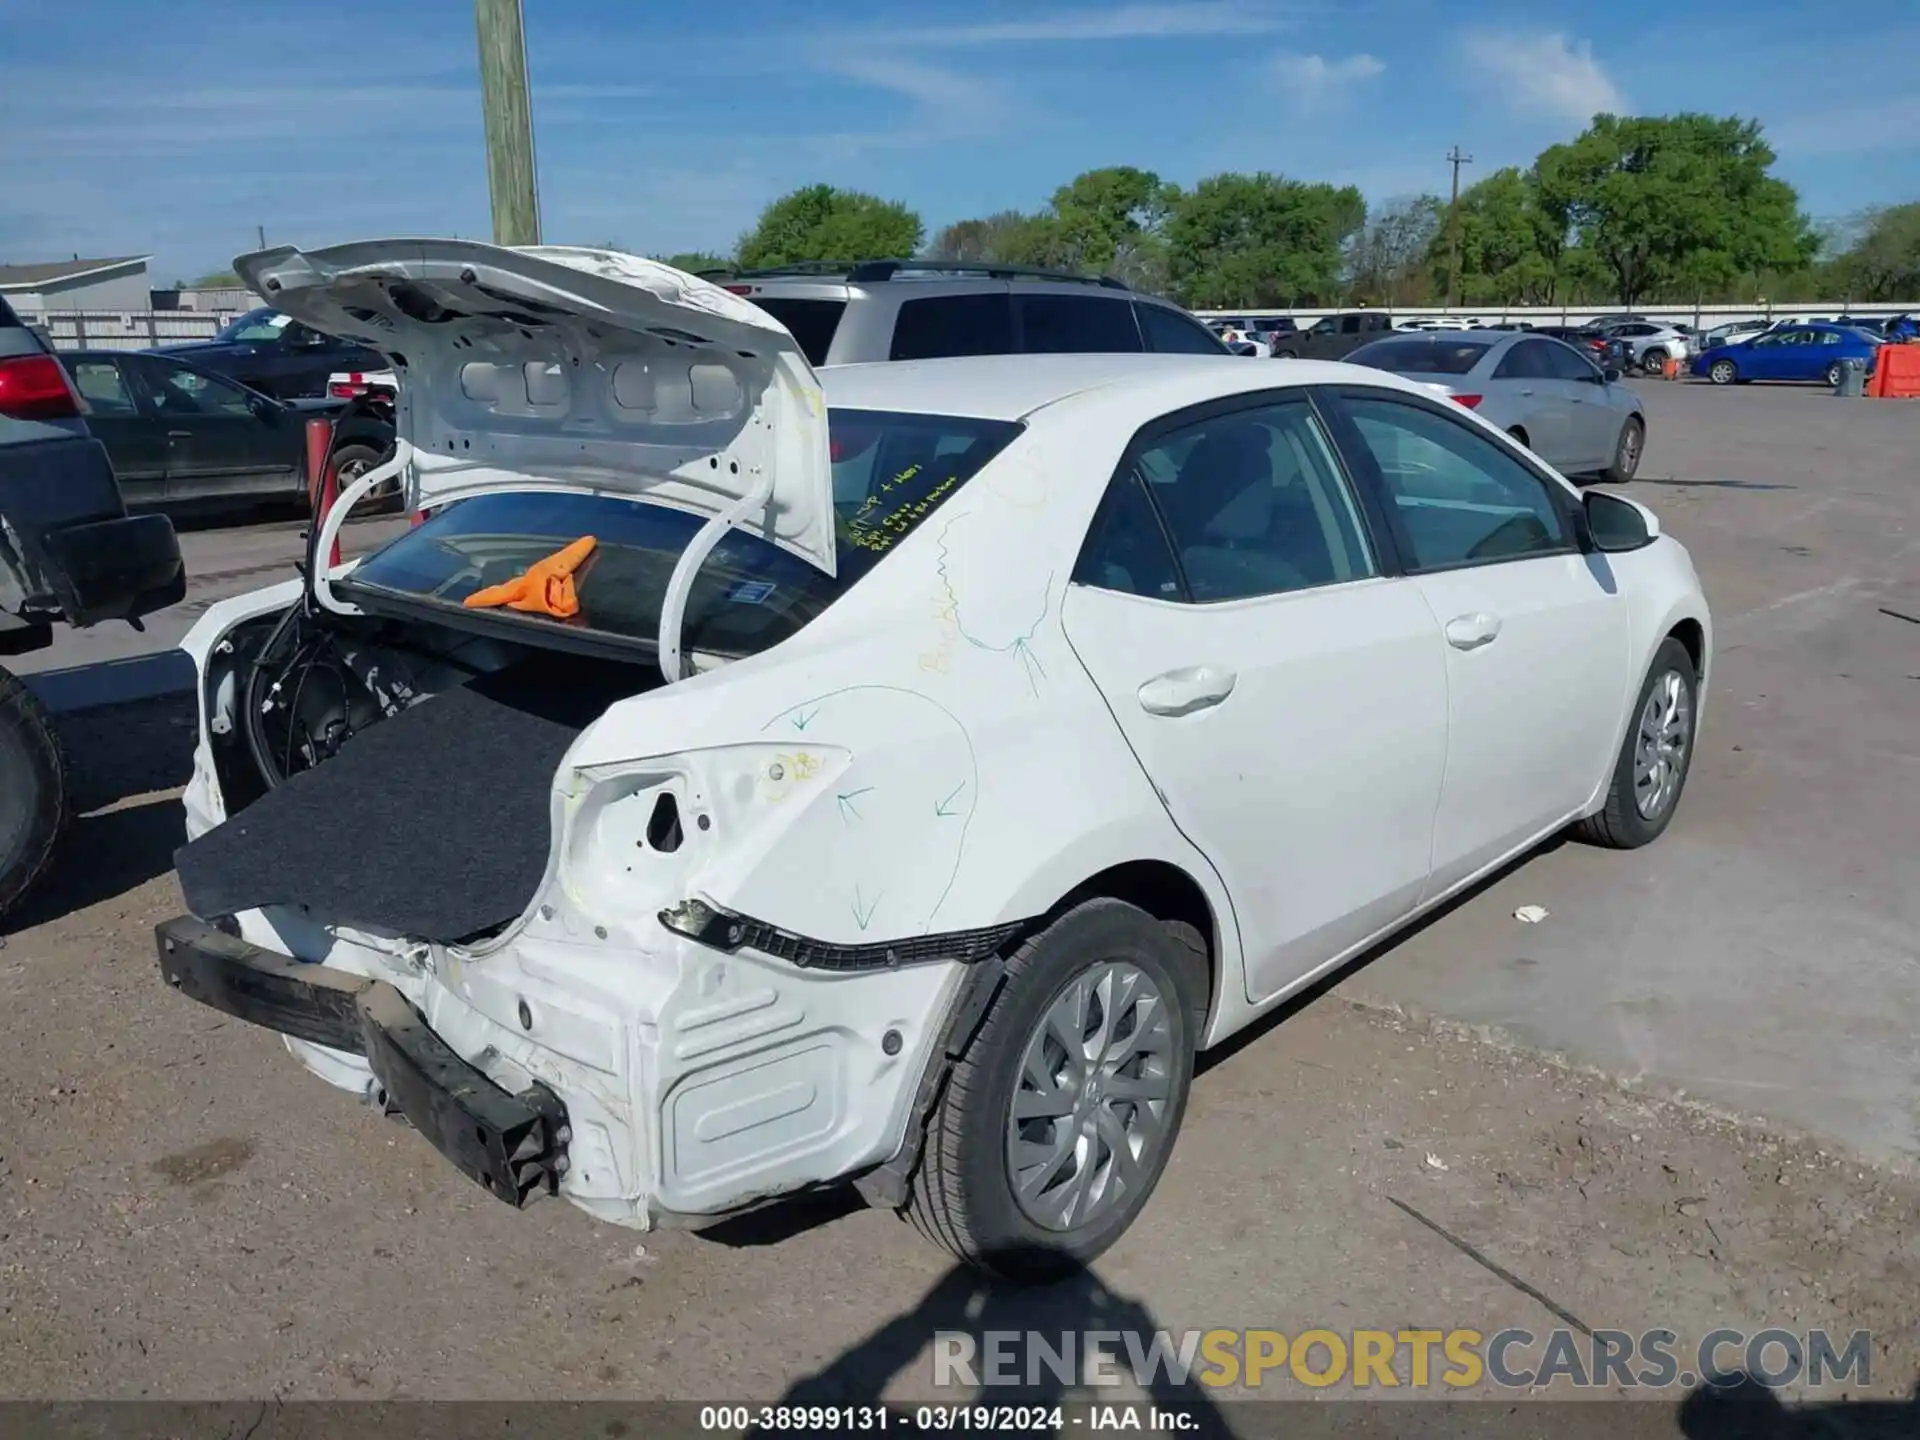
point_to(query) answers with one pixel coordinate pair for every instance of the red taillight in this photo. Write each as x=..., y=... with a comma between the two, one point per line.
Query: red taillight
x=341, y=391
x=738, y=289
x=35, y=387
x=1467, y=400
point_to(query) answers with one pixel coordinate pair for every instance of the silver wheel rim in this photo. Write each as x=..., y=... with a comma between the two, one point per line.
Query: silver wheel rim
x=1091, y=1106
x=1834, y=374
x=1723, y=371
x=1629, y=450
x=1660, y=745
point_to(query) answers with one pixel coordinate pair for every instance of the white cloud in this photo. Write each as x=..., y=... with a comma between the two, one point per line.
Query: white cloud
x=1890, y=123
x=1312, y=79
x=1119, y=22
x=1547, y=73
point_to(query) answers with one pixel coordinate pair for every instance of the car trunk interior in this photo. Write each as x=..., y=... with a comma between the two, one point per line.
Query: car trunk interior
x=407, y=774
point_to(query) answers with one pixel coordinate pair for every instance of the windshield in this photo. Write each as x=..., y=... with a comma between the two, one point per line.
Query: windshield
x=890, y=473
x=1434, y=356
x=254, y=326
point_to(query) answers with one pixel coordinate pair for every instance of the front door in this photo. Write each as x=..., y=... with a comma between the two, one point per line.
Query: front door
x=1287, y=701
x=1543, y=401
x=222, y=442
x=1593, y=424
x=1534, y=632
x=136, y=442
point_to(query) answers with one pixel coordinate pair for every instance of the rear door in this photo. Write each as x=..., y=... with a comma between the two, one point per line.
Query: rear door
x=1535, y=632
x=1286, y=696
x=935, y=327
x=218, y=445
x=1540, y=403
x=1050, y=323
x=136, y=441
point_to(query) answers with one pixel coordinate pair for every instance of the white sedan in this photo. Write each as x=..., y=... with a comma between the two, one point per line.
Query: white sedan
x=746, y=779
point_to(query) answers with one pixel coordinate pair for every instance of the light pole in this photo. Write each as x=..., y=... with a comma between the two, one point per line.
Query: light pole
x=1455, y=159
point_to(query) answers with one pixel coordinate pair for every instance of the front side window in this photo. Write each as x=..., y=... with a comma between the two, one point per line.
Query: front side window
x=947, y=325
x=1077, y=324
x=1458, y=497
x=1563, y=362
x=891, y=472
x=176, y=390
x=1253, y=503
x=1525, y=361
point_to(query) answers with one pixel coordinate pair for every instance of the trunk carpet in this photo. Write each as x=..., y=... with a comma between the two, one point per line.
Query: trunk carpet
x=433, y=823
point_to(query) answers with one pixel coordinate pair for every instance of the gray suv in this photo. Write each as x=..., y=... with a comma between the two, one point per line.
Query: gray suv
x=932, y=309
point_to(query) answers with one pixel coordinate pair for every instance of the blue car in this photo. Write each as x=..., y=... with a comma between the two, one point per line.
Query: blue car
x=1793, y=352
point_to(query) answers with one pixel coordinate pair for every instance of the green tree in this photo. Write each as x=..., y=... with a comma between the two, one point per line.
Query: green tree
x=694, y=261
x=1883, y=262
x=1677, y=205
x=1384, y=259
x=1112, y=220
x=1256, y=240
x=1509, y=248
x=819, y=222
x=213, y=280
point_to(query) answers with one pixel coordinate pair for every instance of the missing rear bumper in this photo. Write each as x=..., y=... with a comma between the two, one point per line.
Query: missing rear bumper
x=513, y=1146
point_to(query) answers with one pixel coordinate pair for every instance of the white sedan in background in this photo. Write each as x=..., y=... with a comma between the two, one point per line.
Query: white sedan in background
x=747, y=780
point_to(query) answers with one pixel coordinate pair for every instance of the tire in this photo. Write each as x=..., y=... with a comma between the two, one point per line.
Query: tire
x=1627, y=451
x=353, y=460
x=1721, y=372
x=33, y=790
x=963, y=1197
x=1623, y=823
x=1834, y=374
x=1519, y=433
x=1653, y=361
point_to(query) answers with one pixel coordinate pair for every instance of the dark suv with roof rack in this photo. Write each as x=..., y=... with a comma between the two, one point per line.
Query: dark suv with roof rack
x=843, y=314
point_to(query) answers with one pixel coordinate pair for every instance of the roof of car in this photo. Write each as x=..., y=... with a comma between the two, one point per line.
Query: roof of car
x=1012, y=387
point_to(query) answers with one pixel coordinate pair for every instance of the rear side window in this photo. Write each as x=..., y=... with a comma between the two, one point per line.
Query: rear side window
x=1525, y=361
x=813, y=323
x=1172, y=334
x=948, y=325
x=1077, y=324
x=100, y=385
x=1424, y=356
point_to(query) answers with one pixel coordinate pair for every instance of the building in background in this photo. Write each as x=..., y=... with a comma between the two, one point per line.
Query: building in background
x=112, y=284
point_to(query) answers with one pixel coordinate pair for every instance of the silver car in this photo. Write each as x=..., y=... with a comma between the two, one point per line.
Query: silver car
x=1543, y=392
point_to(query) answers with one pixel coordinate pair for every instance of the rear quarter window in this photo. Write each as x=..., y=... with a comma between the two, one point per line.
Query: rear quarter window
x=1077, y=324
x=812, y=322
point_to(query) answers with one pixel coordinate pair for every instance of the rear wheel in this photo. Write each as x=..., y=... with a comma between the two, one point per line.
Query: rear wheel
x=1051, y=1132
x=1626, y=452
x=1834, y=372
x=353, y=460
x=1721, y=372
x=1651, y=768
x=1519, y=433
x=1654, y=361
x=33, y=790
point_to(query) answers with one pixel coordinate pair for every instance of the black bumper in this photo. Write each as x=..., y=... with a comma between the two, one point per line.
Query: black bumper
x=515, y=1146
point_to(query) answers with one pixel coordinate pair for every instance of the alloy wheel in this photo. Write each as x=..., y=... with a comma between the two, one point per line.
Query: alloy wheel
x=1660, y=747
x=1091, y=1103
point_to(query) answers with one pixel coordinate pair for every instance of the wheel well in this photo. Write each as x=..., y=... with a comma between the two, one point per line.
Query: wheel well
x=1694, y=641
x=1519, y=432
x=1165, y=892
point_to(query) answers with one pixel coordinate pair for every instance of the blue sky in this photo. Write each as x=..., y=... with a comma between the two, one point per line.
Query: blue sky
x=177, y=128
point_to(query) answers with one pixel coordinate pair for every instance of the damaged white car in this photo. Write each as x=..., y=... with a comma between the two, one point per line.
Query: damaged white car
x=745, y=780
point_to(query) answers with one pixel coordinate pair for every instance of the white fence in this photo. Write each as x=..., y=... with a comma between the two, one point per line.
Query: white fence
x=125, y=329
x=1701, y=317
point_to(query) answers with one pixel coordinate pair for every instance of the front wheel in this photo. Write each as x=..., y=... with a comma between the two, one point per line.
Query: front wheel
x=1626, y=453
x=33, y=790
x=1834, y=373
x=1051, y=1132
x=1651, y=768
x=1721, y=372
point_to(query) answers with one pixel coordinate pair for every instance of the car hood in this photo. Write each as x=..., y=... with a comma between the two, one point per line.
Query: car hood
x=551, y=367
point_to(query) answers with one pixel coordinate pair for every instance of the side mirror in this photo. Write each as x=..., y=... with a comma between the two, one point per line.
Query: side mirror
x=1610, y=375
x=1618, y=524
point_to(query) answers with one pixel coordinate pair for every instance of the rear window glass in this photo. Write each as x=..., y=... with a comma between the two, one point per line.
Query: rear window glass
x=890, y=473
x=1421, y=357
x=936, y=328
x=813, y=323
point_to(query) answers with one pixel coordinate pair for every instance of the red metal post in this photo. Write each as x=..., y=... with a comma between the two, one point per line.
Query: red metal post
x=323, y=481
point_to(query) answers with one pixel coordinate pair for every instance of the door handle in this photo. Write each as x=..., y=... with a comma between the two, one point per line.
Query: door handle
x=1470, y=632
x=1181, y=692
x=1526, y=392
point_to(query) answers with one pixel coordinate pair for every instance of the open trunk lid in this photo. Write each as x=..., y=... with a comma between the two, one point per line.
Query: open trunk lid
x=552, y=367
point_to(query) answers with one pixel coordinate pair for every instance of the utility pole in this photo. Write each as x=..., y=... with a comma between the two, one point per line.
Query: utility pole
x=508, y=108
x=1455, y=159
x=261, y=231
